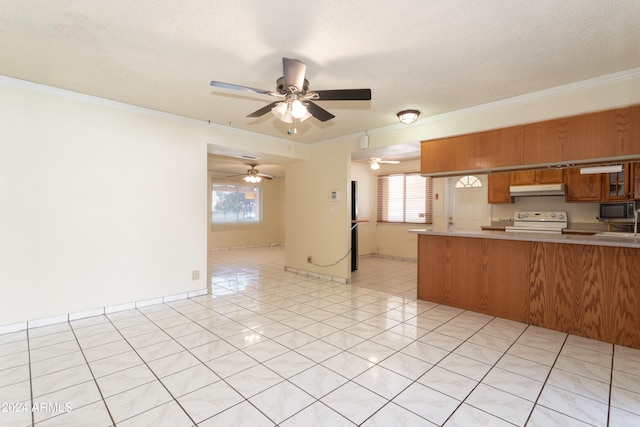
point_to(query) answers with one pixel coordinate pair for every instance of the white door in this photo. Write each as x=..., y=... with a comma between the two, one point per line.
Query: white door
x=469, y=208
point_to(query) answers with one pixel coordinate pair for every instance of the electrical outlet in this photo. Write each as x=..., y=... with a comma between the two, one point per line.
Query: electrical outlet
x=195, y=275
x=309, y=259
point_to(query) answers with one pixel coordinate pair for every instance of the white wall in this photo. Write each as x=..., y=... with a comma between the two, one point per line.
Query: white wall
x=316, y=226
x=100, y=205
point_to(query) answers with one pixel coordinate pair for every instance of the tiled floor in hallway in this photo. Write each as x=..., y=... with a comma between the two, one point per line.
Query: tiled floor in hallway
x=269, y=347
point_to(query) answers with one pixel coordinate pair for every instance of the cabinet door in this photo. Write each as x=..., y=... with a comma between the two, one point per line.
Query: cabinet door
x=582, y=188
x=550, y=176
x=635, y=179
x=523, y=177
x=498, y=191
x=544, y=176
x=616, y=185
x=473, y=152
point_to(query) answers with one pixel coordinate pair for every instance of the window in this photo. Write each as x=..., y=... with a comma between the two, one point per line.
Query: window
x=405, y=198
x=235, y=204
x=468, y=181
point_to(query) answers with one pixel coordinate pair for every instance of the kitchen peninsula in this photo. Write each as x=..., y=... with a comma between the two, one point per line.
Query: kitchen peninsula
x=584, y=285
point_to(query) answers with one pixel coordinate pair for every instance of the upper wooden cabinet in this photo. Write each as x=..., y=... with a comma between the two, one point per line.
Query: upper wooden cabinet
x=600, y=135
x=618, y=185
x=498, y=191
x=473, y=152
x=634, y=169
x=582, y=188
x=594, y=136
x=530, y=177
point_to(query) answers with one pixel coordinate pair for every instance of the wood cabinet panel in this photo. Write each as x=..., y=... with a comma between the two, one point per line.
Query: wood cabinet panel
x=597, y=135
x=472, y=274
x=498, y=191
x=482, y=150
x=542, y=176
x=587, y=290
x=582, y=188
x=635, y=180
x=617, y=185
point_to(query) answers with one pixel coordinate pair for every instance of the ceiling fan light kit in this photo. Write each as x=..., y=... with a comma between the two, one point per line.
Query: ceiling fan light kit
x=376, y=161
x=408, y=116
x=296, y=102
x=252, y=179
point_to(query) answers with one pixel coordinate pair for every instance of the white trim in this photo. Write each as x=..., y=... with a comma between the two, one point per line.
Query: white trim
x=85, y=314
x=175, y=297
x=47, y=321
x=120, y=307
x=148, y=302
x=14, y=327
x=21, y=326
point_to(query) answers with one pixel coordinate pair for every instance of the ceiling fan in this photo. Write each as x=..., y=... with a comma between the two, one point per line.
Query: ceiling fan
x=295, y=100
x=253, y=175
x=375, y=162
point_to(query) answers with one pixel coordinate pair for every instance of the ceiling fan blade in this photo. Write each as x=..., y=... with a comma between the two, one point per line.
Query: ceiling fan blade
x=318, y=112
x=242, y=88
x=265, y=176
x=264, y=110
x=294, y=71
x=344, y=95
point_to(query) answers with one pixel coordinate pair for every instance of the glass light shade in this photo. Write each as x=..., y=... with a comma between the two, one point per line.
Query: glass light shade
x=282, y=112
x=408, y=116
x=298, y=110
x=375, y=166
x=253, y=179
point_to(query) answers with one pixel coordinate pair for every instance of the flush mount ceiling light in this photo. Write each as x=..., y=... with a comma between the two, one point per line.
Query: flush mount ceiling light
x=601, y=169
x=408, y=116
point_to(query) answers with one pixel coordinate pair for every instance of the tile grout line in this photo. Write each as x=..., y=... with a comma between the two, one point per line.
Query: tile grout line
x=148, y=367
x=535, y=404
x=199, y=360
x=92, y=374
x=33, y=417
x=613, y=354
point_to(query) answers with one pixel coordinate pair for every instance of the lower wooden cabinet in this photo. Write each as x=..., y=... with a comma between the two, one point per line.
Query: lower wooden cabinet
x=587, y=290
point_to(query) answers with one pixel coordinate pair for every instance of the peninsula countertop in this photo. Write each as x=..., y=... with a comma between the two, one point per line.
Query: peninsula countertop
x=625, y=240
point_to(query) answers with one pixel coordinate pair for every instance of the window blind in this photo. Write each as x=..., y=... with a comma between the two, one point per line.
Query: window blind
x=404, y=198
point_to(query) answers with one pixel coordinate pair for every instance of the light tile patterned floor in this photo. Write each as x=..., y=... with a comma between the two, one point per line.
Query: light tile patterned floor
x=269, y=347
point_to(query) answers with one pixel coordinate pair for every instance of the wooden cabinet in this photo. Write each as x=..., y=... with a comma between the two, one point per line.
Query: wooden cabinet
x=472, y=274
x=582, y=188
x=597, y=135
x=498, y=191
x=634, y=169
x=617, y=185
x=544, y=176
x=577, y=139
x=587, y=290
x=473, y=152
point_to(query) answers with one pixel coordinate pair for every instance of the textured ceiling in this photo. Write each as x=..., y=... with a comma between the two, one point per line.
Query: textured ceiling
x=435, y=56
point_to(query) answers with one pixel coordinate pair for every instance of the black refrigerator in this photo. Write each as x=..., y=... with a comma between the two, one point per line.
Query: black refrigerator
x=354, y=225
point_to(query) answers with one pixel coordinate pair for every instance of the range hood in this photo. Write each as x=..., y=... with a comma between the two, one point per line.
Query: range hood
x=537, y=190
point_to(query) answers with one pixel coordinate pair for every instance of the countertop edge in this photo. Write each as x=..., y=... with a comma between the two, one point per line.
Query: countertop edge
x=531, y=237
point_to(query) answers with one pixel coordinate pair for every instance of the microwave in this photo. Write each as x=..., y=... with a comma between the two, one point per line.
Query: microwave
x=620, y=210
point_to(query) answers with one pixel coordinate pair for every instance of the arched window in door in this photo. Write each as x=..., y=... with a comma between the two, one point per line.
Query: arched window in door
x=468, y=181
